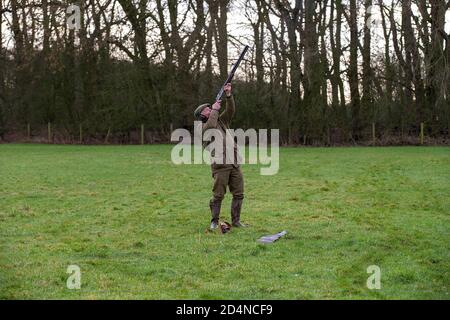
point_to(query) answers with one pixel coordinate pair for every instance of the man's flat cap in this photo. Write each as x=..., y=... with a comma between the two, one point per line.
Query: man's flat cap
x=199, y=110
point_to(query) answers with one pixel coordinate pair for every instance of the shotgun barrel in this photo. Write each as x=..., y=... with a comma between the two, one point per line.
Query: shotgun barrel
x=233, y=70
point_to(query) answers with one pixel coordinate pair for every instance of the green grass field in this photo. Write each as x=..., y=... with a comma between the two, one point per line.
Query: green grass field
x=135, y=225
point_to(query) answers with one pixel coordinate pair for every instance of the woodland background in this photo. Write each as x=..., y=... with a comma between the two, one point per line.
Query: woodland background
x=323, y=72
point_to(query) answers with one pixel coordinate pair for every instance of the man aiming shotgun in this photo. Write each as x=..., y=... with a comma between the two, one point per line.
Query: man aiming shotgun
x=228, y=172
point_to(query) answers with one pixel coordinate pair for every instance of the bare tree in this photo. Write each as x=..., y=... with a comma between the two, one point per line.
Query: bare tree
x=353, y=71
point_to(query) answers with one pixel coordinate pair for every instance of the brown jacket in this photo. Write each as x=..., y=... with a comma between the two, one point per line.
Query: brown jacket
x=222, y=123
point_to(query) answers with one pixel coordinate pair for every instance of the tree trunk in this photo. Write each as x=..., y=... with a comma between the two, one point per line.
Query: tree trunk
x=290, y=18
x=438, y=69
x=367, y=82
x=353, y=72
x=222, y=38
x=2, y=90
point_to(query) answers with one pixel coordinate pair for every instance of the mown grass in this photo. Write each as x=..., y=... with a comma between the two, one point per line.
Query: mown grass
x=135, y=225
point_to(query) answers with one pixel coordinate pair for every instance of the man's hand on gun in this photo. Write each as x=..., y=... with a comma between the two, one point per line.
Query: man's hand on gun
x=216, y=105
x=227, y=89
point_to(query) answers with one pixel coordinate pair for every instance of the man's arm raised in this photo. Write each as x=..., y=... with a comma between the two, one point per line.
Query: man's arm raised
x=228, y=114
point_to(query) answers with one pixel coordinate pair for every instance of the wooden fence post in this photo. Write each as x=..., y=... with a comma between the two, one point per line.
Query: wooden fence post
x=373, y=133
x=329, y=136
x=421, y=133
x=107, y=135
x=28, y=131
x=49, y=132
x=81, y=134
x=142, y=134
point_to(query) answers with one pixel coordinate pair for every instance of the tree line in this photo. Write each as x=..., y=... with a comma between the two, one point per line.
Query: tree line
x=322, y=71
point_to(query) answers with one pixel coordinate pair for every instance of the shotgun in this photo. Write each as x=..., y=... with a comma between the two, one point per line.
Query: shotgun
x=233, y=70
